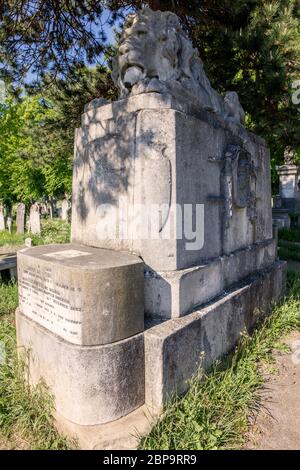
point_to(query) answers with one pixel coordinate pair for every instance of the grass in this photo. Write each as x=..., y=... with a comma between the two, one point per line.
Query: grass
x=26, y=419
x=292, y=235
x=11, y=239
x=52, y=231
x=215, y=412
x=288, y=250
x=8, y=298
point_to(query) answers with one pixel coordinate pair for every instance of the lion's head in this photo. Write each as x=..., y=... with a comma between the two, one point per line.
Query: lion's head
x=154, y=46
x=154, y=54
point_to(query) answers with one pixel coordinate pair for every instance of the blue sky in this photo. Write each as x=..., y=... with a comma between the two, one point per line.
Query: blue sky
x=109, y=31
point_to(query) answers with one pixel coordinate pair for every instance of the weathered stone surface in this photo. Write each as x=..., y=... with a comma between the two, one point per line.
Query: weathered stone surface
x=21, y=218
x=91, y=385
x=281, y=218
x=289, y=187
x=289, y=181
x=155, y=55
x=65, y=209
x=173, y=349
x=9, y=224
x=133, y=156
x=84, y=295
x=35, y=219
x=122, y=434
x=176, y=293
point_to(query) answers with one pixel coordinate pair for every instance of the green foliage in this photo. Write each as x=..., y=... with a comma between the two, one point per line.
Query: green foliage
x=253, y=47
x=8, y=298
x=53, y=36
x=292, y=235
x=288, y=250
x=52, y=231
x=33, y=163
x=11, y=239
x=250, y=46
x=214, y=414
x=37, y=129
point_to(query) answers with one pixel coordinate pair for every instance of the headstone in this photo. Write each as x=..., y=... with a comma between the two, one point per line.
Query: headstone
x=21, y=218
x=171, y=218
x=289, y=188
x=281, y=218
x=65, y=208
x=277, y=202
x=289, y=176
x=35, y=219
x=2, y=219
x=9, y=224
x=28, y=242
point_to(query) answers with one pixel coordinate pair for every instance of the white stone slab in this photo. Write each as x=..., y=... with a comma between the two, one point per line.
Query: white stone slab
x=86, y=296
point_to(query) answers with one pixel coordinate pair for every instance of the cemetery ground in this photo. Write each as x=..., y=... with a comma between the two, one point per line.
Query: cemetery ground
x=216, y=413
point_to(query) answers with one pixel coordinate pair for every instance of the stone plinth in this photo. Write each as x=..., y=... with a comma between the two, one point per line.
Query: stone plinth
x=153, y=149
x=289, y=176
x=176, y=293
x=175, y=349
x=84, y=295
x=91, y=384
x=81, y=317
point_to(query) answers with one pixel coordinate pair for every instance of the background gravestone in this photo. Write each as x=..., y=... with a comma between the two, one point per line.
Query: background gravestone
x=9, y=224
x=2, y=221
x=21, y=218
x=65, y=208
x=35, y=219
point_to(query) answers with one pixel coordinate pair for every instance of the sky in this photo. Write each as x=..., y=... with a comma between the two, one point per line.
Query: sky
x=109, y=31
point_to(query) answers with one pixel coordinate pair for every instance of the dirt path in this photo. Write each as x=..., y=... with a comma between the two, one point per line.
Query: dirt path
x=277, y=425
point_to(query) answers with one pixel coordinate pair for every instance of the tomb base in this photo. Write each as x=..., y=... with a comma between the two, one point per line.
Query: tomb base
x=81, y=317
x=172, y=294
x=170, y=352
x=175, y=348
x=91, y=384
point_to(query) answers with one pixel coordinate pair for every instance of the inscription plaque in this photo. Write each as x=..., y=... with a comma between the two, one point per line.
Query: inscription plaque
x=53, y=304
x=68, y=254
x=86, y=296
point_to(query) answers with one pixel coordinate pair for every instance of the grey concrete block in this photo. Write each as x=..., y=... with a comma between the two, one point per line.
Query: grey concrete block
x=92, y=385
x=173, y=349
x=154, y=149
x=176, y=293
x=87, y=296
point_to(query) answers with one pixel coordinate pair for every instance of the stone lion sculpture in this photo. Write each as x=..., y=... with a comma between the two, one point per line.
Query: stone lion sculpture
x=155, y=55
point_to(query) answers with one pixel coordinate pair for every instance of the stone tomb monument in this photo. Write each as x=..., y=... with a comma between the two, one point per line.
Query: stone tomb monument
x=171, y=222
